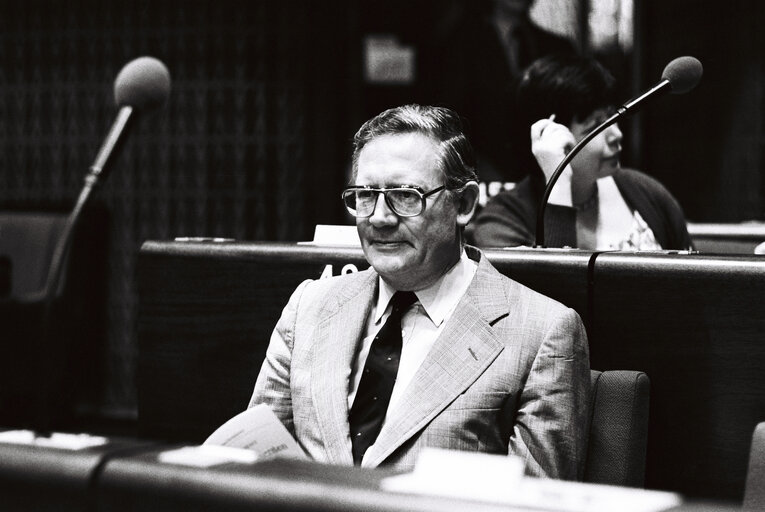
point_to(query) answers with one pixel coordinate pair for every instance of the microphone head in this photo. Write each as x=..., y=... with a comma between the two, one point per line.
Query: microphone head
x=683, y=74
x=143, y=83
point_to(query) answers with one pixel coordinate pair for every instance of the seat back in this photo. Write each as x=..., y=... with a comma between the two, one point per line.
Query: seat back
x=754, y=492
x=616, y=448
x=51, y=349
x=28, y=240
x=5, y=276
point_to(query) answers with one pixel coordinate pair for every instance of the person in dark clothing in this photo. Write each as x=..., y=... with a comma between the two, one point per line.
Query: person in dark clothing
x=474, y=66
x=595, y=204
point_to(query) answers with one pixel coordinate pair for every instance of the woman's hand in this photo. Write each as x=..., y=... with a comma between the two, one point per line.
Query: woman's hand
x=550, y=143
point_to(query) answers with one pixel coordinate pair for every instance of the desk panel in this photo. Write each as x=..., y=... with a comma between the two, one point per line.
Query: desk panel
x=693, y=323
x=5, y=276
x=696, y=325
x=55, y=479
x=142, y=483
x=205, y=317
x=731, y=238
x=207, y=311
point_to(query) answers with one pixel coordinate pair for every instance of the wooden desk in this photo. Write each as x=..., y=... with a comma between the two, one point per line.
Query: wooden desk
x=207, y=311
x=142, y=483
x=696, y=325
x=693, y=323
x=727, y=238
x=55, y=479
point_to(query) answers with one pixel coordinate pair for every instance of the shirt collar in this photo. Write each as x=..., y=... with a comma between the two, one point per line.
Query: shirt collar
x=438, y=299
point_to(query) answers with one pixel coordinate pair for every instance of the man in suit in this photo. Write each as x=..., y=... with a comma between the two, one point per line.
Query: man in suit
x=478, y=362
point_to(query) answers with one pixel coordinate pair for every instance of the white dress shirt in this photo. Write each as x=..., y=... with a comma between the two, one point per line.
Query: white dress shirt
x=420, y=325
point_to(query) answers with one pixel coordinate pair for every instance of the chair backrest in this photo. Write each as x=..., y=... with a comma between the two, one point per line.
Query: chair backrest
x=51, y=347
x=754, y=492
x=28, y=239
x=5, y=276
x=616, y=448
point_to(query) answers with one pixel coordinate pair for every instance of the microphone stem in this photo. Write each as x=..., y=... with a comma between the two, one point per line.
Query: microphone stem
x=628, y=108
x=64, y=240
x=49, y=351
x=113, y=139
x=540, y=235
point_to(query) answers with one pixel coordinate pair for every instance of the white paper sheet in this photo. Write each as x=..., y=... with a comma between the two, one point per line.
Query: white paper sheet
x=257, y=429
x=499, y=479
x=207, y=455
x=55, y=440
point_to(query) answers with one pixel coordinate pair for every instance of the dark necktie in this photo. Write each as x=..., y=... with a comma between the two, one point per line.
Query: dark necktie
x=376, y=385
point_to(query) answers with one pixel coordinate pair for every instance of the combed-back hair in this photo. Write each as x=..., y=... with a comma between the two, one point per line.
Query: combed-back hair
x=443, y=125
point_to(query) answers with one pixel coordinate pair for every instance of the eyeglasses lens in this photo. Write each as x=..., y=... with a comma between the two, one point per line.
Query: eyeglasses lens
x=404, y=202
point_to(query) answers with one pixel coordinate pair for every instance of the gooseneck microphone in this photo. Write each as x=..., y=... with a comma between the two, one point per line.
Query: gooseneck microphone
x=679, y=76
x=141, y=85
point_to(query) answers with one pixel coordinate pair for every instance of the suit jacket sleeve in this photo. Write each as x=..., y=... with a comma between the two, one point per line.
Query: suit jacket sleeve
x=272, y=386
x=550, y=429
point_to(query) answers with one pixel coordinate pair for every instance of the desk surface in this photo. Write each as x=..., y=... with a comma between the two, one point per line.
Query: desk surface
x=43, y=478
x=740, y=238
x=140, y=482
x=126, y=475
x=745, y=230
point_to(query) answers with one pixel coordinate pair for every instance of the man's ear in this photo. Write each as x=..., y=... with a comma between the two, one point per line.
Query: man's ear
x=467, y=202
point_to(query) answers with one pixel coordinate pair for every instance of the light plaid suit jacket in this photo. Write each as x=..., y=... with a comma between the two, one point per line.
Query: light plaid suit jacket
x=508, y=374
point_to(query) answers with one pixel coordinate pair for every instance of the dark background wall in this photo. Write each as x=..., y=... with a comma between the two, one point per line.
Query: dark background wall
x=708, y=146
x=239, y=150
x=254, y=141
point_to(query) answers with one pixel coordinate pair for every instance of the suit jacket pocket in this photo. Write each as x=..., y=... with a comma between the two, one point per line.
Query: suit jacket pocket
x=473, y=422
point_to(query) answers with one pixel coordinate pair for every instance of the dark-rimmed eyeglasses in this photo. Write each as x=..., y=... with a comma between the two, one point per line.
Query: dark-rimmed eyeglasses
x=404, y=200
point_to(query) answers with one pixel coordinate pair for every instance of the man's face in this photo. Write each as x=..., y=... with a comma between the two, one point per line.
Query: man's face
x=410, y=253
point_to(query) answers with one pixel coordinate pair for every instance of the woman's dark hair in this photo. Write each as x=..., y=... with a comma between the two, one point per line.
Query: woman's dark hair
x=570, y=86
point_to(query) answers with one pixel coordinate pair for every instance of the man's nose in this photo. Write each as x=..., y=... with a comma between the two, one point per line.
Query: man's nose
x=382, y=215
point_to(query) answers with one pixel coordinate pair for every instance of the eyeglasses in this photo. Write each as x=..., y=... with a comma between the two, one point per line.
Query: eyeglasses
x=404, y=200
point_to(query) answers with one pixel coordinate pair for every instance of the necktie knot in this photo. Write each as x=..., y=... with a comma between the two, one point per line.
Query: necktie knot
x=402, y=300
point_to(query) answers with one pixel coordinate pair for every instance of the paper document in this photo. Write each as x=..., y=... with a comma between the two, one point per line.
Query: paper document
x=257, y=429
x=459, y=474
x=331, y=234
x=207, y=456
x=499, y=479
x=55, y=440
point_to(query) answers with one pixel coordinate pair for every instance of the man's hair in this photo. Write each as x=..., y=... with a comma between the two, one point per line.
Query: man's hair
x=439, y=123
x=569, y=86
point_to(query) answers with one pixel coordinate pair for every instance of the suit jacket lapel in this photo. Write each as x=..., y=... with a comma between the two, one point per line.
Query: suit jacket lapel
x=463, y=351
x=335, y=342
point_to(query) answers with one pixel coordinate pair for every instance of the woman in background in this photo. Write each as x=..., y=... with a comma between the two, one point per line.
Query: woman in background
x=595, y=204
